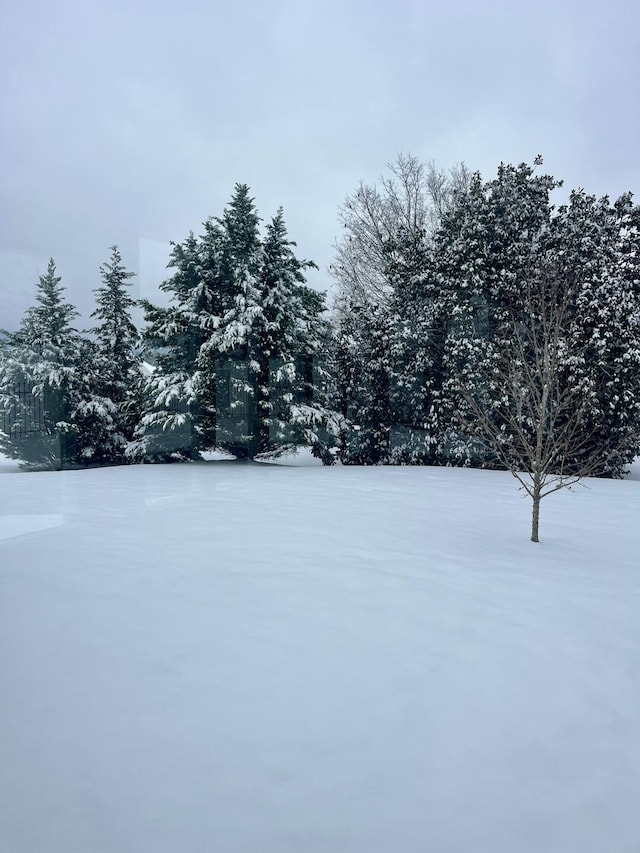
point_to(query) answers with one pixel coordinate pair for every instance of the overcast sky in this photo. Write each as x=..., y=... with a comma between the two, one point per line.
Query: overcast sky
x=130, y=122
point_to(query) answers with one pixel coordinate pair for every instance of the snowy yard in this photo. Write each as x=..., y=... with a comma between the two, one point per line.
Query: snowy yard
x=225, y=658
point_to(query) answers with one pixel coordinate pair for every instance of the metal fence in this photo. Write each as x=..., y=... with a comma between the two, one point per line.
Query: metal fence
x=25, y=413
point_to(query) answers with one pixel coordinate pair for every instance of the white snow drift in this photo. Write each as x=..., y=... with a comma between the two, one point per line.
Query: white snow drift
x=220, y=658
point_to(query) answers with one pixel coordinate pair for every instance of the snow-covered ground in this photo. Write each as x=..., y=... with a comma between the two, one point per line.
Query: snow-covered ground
x=227, y=658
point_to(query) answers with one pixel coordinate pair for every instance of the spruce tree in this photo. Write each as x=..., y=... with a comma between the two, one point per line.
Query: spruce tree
x=316, y=415
x=235, y=349
x=42, y=381
x=288, y=342
x=179, y=417
x=113, y=407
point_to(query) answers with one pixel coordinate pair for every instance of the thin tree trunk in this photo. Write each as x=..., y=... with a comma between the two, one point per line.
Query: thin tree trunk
x=535, y=517
x=540, y=430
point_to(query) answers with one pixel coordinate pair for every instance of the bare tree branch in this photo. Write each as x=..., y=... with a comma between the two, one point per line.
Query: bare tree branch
x=535, y=423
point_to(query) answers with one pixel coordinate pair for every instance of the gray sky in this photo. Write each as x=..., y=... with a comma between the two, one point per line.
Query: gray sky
x=130, y=122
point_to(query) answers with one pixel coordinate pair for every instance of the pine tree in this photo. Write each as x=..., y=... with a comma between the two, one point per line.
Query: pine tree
x=116, y=335
x=234, y=350
x=316, y=415
x=179, y=417
x=109, y=415
x=288, y=343
x=42, y=382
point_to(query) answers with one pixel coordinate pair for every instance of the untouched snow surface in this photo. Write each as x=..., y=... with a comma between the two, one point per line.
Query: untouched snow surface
x=227, y=658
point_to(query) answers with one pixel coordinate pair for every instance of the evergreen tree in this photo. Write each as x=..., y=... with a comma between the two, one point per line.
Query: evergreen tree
x=289, y=343
x=116, y=335
x=485, y=249
x=233, y=350
x=542, y=352
x=316, y=415
x=179, y=418
x=387, y=332
x=417, y=330
x=42, y=382
x=364, y=381
x=597, y=249
x=110, y=413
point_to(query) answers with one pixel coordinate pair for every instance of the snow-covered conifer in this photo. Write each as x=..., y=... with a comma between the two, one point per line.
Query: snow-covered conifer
x=107, y=418
x=232, y=349
x=383, y=310
x=542, y=351
x=291, y=338
x=42, y=381
x=178, y=419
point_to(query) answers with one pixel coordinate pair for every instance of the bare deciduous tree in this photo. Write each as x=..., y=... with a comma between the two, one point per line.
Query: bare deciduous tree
x=529, y=402
x=410, y=201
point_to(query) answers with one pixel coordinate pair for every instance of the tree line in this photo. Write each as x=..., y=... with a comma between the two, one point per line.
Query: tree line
x=235, y=362
x=475, y=323
x=478, y=323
